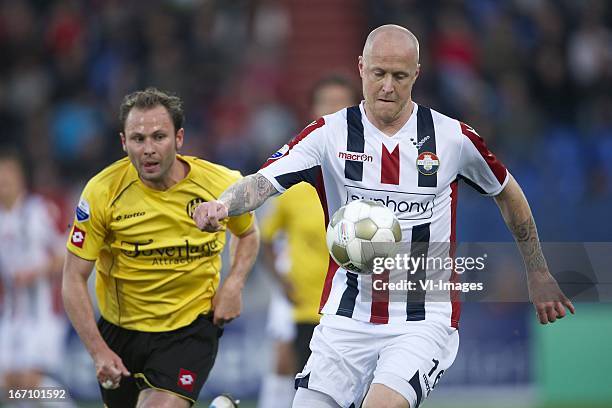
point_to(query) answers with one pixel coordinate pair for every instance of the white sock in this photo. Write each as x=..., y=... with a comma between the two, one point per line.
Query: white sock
x=276, y=391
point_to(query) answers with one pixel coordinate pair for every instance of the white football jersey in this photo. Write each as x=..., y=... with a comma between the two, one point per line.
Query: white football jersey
x=414, y=173
x=31, y=331
x=28, y=239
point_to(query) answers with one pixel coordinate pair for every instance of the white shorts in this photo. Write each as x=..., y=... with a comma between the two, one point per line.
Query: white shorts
x=281, y=326
x=348, y=355
x=32, y=344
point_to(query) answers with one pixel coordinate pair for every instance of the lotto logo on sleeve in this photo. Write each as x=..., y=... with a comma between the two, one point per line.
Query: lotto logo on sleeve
x=77, y=238
x=186, y=379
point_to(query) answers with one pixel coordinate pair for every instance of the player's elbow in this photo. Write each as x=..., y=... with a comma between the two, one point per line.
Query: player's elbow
x=511, y=199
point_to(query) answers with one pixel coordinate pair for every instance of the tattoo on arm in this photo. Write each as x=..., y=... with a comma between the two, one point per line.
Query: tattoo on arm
x=247, y=194
x=526, y=235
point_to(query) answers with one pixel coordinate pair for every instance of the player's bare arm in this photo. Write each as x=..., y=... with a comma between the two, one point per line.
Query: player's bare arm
x=245, y=195
x=547, y=297
x=77, y=303
x=227, y=303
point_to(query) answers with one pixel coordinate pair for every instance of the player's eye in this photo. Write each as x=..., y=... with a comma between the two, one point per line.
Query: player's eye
x=159, y=136
x=379, y=74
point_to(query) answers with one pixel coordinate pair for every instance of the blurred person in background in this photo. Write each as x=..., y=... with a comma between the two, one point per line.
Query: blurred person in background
x=299, y=263
x=390, y=354
x=157, y=275
x=32, y=330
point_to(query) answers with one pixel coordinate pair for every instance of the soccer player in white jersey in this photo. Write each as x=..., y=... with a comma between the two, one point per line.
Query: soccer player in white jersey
x=391, y=149
x=31, y=331
x=299, y=264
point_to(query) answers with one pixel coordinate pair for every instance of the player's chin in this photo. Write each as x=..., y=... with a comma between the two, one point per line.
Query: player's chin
x=150, y=174
x=387, y=111
x=387, y=115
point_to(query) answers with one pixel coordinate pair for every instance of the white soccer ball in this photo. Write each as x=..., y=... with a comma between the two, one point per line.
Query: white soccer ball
x=224, y=401
x=355, y=231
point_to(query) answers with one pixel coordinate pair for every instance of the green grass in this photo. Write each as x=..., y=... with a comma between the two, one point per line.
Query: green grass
x=245, y=404
x=253, y=404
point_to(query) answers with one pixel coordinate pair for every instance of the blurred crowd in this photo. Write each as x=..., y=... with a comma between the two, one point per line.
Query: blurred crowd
x=65, y=66
x=533, y=77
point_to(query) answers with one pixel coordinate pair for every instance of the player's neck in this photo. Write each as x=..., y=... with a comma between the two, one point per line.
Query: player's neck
x=392, y=127
x=177, y=172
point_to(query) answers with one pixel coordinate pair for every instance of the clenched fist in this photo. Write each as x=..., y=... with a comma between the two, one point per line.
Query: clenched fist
x=109, y=368
x=207, y=215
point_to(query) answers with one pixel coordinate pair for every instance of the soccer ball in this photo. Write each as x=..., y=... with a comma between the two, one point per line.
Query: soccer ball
x=361, y=231
x=224, y=401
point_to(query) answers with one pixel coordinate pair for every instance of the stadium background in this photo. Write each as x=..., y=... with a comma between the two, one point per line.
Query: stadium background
x=534, y=77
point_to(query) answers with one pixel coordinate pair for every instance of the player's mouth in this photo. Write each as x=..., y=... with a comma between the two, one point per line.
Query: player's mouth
x=150, y=166
x=385, y=100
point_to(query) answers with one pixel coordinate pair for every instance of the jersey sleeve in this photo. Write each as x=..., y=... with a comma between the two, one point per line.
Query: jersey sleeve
x=241, y=224
x=90, y=223
x=298, y=160
x=478, y=166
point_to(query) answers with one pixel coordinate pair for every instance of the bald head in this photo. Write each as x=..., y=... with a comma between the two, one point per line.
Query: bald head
x=391, y=37
x=389, y=68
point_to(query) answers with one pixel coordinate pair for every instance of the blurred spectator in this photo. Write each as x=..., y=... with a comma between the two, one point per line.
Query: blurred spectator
x=31, y=330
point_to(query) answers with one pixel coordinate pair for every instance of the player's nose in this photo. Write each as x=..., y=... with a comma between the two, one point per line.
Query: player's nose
x=387, y=85
x=149, y=148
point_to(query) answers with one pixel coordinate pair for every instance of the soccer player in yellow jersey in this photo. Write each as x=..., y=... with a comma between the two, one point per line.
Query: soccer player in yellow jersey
x=298, y=216
x=157, y=275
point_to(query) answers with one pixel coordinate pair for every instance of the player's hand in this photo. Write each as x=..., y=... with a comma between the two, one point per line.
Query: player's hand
x=547, y=298
x=227, y=302
x=207, y=215
x=109, y=368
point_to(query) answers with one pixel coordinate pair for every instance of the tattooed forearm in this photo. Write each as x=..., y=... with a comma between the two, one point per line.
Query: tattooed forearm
x=247, y=194
x=517, y=214
x=526, y=235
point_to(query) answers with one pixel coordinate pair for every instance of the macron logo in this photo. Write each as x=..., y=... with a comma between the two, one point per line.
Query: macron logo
x=352, y=156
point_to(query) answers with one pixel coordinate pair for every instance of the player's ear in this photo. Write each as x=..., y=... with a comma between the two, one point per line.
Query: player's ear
x=360, y=64
x=179, y=137
x=122, y=136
